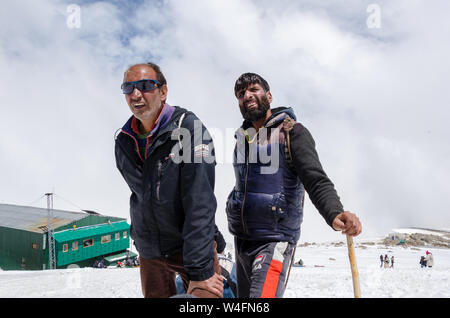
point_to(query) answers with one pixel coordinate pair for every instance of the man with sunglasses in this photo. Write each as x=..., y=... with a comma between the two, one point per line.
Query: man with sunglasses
x=172, y=203
x=265, y=208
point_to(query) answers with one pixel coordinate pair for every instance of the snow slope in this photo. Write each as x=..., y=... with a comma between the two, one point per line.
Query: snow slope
x=406, y=280
x=421, y=231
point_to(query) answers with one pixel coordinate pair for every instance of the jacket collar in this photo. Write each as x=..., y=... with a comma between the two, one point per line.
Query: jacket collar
x=131, y=126
x=278, y=115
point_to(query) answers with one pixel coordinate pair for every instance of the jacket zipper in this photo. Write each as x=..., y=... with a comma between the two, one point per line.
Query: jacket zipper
x=159, y=163
x=136, y=144
x=158, y=180
x=245, y=193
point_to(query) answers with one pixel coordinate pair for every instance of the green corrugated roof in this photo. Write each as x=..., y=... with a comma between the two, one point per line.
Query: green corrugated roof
x=35, y=219
x=89, y=231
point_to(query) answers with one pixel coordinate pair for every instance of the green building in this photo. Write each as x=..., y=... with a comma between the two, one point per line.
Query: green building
x=80, y=238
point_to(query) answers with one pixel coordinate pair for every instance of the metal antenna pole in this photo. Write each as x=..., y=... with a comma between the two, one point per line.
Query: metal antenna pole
x=51, y=240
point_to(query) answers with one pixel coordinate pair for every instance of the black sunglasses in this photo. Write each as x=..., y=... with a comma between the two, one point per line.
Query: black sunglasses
x=144, y=85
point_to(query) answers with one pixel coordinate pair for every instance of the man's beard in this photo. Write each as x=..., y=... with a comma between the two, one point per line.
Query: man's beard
x=258, y=113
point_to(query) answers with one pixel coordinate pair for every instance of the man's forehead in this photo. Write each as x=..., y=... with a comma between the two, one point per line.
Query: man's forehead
x=139, y=71
x=253, y=85
x=250, y=86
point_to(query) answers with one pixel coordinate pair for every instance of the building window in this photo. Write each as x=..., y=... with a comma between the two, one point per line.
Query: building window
x=35, y=246
x=117, y=236
x=87, y=243
x=125, y=234
x=65, y=248
x=106, y=239
x=74, y=246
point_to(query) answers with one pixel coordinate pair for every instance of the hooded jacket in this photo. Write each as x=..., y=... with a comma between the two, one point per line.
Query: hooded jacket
x=172, y=203
x=266, y=202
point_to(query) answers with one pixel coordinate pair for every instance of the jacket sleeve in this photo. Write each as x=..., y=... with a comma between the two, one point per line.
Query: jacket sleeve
x=309, y=169
x=199, y=202
x=220, y=240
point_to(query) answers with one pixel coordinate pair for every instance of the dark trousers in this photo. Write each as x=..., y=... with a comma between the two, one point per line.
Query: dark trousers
x=158, y=276
x=261, y=268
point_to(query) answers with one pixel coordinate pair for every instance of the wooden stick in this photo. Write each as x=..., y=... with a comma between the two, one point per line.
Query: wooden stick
x=355, y=275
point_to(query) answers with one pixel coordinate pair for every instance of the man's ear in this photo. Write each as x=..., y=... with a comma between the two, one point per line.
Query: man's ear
x=163, y=89
x=269, y=96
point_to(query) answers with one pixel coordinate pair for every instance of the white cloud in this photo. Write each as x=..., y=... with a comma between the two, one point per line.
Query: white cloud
x=374, y=99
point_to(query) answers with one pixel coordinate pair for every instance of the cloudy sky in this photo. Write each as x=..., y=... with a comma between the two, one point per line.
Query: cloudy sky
x=369, y=79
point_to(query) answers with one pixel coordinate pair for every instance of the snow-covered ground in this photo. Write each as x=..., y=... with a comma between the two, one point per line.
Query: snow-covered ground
x=333, y=280
x=406, y=280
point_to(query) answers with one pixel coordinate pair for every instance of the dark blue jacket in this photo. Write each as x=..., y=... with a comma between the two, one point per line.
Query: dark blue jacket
x=172, y=205
x=266, y=202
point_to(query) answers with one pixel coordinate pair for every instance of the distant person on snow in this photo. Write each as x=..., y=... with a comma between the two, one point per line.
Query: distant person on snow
x=381, y=260
x=166, y=156
x=392, y=261
x=386, y=261
x=129, y=262
x=265, y=208
x=422, y=262
x=429, y=259
x=299, y=263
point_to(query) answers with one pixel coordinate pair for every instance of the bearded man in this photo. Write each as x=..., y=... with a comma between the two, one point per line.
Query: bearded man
x=275, y=161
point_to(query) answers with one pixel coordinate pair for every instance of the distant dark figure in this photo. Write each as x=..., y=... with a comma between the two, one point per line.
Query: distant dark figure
x=392, y=261
x=422, y=262
x=381, y=261
x=386, y=261
x=129, y=262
